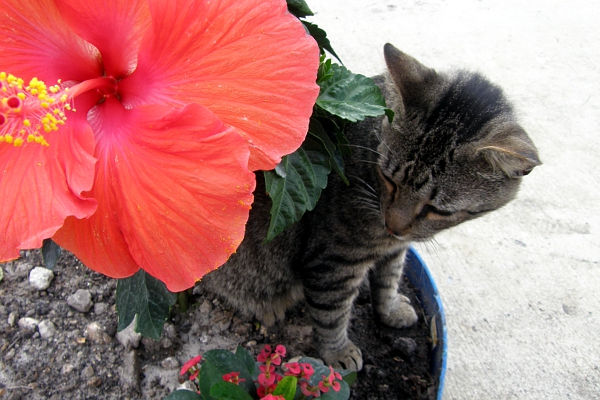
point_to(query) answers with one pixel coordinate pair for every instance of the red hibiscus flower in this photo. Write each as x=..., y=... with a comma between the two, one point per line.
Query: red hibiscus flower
x=176, y=101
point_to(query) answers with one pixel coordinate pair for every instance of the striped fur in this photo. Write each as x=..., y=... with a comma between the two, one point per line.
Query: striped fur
x=453, y=153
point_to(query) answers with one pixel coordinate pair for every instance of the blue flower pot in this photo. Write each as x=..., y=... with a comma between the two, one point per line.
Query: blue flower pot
x=427, y=293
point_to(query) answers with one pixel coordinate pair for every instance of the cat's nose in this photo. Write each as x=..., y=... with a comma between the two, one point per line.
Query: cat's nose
x=397, y=232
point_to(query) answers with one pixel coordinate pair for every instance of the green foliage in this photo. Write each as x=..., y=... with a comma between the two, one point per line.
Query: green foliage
x=299, y=8
x=220, y=362
x=246, y=358
x=184, y=395
x=295, y=186
x=348, y=378
x=146, y=297
x=287, y=387
x=297, y=182
x=320, y=37
x=343, y=394
x=228, y=391
x=352, y=97
x=328, y=148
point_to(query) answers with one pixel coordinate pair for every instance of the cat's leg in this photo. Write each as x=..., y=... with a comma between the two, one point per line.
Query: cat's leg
x=330, y=293
x=392, y=308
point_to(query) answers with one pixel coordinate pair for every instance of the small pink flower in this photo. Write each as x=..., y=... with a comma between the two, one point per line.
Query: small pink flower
x=188, y=365
x=264, y=391
x=264, y=354
x=266, y=380
x=265, y=370
x=280, y=349
x=308, y=390
x=329, y=381
x=293, y=369
x=234, y=378
x=308, y=370
x=271, y=397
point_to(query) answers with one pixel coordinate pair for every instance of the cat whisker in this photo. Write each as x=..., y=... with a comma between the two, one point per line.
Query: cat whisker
x=367, y=148
x=368, y=204
x=365, y=183
x=384, y=143
x=367, y=192
x=368, y=162
x=432, y=247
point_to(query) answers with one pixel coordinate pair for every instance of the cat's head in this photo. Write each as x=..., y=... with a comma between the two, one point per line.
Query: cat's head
x=453, y=152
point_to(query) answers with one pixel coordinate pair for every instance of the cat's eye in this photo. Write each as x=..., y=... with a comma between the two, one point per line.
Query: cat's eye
x=432, y=212
x=389, y=183
x=476, y=213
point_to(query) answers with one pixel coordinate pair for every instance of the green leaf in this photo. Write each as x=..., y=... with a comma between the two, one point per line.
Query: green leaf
x=306, y=172
x=228, y=391
x=184, y=395
x=146, y=297
x=320, y=370
x=286, y=387
x=321, y=37
x=317, y=132
x=209, y=375
x=343, y=394
x=299, y=8
x=50, y=253
x=390, y=114
x=246, y=358
x=226, y=362
x=324, y=72
x=348, y=376
x=350, y=96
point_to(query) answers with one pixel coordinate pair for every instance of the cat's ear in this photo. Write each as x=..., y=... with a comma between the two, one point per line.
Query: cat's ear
x=410, y=76
x=510, y=151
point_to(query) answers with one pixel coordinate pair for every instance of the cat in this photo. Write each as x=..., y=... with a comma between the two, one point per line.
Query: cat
x=453, y=152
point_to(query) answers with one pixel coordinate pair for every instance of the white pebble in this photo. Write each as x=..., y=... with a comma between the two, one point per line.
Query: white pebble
x=47, y=329
x=96, y=334
x=81, y=300
x=12, y=318
x=40, y=278
x=67, y=369
x=170, y=363
x=128, y=337
x=28, y=324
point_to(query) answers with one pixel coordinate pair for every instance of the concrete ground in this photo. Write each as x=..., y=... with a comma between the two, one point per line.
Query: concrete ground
x=521, y=286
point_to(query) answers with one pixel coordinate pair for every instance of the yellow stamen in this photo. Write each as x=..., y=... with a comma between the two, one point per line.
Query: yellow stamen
x=29, y=111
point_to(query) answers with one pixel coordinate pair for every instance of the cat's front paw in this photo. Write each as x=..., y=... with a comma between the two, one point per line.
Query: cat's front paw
x=349, y=357
x=398, y=314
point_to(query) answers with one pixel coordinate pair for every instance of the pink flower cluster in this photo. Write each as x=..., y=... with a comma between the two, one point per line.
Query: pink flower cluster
x=268, y=378
x=304, y=372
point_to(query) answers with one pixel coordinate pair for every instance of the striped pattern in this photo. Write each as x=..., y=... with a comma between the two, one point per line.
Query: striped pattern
x=326, y=257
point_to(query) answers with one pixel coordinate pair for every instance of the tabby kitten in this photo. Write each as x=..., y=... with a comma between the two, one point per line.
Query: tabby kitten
x=453, y=153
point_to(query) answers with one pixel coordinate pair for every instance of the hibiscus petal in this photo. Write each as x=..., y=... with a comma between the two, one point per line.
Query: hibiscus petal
x=41, y=186
x=249, y=61
x=114, y=27
x=178, y=189
x=37, y=42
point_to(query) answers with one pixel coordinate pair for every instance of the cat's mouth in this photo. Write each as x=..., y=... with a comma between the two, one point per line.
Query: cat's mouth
x=407, y=237
x=402, y=238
